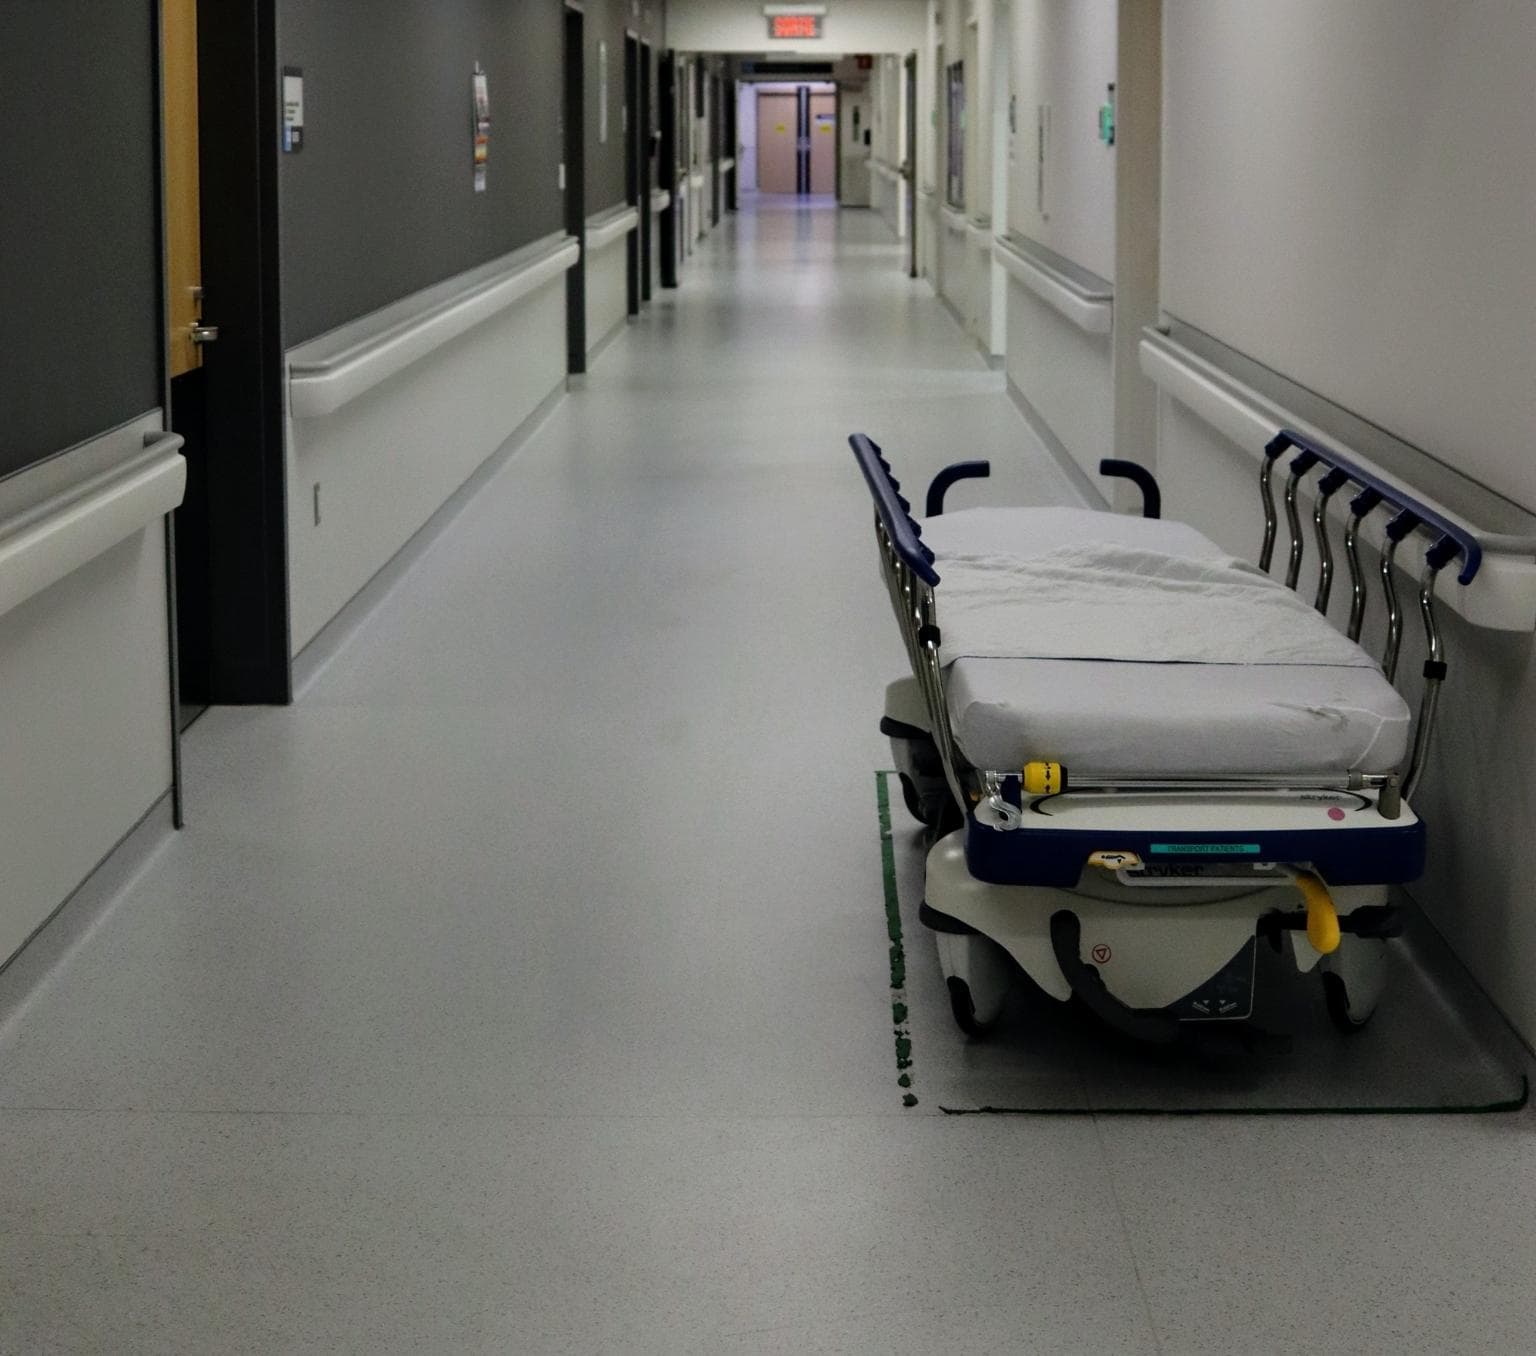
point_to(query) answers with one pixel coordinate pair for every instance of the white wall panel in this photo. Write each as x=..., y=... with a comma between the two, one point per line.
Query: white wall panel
x=84, y=728
x=389, y=459
x=1065, y=374
x=607, y=290
x=1349, y=196
x=955, y=264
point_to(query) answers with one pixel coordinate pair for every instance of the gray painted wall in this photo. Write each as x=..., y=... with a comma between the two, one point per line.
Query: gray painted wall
x=79, y=242
x=608, y=21
x=380, y=202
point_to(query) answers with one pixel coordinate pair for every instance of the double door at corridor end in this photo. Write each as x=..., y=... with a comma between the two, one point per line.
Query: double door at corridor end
x=797, y=140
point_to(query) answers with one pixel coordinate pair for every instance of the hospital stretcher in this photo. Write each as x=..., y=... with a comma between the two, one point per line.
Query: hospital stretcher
x=1139, y=759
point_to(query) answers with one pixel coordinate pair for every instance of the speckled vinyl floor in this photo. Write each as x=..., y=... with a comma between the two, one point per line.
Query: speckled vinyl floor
x=524, y=988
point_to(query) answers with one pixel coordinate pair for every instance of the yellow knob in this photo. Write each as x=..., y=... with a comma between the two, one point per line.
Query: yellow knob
x=1322, y=917
x=1044, y=779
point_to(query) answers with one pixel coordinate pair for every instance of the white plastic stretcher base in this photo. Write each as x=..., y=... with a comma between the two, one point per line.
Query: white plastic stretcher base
x=1151, y=947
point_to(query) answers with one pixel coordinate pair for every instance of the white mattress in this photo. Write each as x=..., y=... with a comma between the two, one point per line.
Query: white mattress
x=1179, y=715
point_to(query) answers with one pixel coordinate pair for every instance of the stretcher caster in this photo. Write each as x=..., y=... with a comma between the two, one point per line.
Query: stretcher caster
x=916, y=806
x=978, y=974
x=1352, y=978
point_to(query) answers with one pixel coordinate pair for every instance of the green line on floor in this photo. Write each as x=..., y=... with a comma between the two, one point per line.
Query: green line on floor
x=898, y=955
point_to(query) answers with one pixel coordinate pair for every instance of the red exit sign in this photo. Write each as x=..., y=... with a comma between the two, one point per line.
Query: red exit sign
x=794, y=25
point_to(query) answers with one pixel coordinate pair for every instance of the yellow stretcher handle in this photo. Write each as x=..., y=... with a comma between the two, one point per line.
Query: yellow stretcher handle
x=1044, y=779
x=1322, y=917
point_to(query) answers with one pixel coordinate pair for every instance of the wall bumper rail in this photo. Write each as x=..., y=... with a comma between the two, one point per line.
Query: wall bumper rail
x=954, y=222
x=728, y=164
x=660, y=201
x=978, y=231
x=609, y=227
x=1503, y=562
x=57, y=536
x=335, y=369
x=1086, y=299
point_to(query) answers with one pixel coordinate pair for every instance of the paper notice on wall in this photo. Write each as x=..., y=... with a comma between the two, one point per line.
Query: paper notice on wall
x=293, y=109
x=602, y=93
x=480, y=110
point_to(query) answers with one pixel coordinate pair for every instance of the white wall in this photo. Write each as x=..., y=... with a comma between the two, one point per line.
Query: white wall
x=85, y=724
x=1064, y=56
x=1065, y=375
x=854, y=188
x=740, y=26
x=887, y=87
x=1350, y=195
x=746, y=139
x=389, y=459
x=607, y=284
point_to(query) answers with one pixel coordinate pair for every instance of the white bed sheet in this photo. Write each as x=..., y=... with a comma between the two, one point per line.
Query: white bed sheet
x=1179, y=715
x=1101, y=717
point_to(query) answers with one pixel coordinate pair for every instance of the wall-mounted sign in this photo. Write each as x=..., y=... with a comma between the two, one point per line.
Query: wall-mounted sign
x=602, y=92
x=480, y=114
x=794, y=25
x=293, y=109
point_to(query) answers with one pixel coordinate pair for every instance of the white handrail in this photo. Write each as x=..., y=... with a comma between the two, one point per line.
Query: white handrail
x=1501, y=598
x=1091, y=311
x=729, y=163
x=58, y=536
x=884, y=169
x=696, y=179
x=321, y=385
x=953, y=221
x=605, y=228
x=660, y=200
x=979, y=232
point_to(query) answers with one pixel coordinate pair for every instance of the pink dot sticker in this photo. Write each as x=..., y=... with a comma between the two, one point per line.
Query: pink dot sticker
x=1334, y=812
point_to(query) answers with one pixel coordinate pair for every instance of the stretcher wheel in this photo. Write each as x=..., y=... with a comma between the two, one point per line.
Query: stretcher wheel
x=934, y=809
x=1352, y=980
x=978, y=974
x=914, y=802
x=963, y=1005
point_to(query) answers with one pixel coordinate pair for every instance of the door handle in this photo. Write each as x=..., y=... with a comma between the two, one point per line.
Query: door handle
x=204, y=334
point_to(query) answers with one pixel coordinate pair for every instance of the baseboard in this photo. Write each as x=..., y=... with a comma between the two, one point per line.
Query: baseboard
x=334, y=635
x=954, y=311
x=82, y=909
x=1087, y=491
x=603, y=343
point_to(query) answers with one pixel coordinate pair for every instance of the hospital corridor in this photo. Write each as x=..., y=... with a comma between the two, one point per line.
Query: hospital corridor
x=718, y=678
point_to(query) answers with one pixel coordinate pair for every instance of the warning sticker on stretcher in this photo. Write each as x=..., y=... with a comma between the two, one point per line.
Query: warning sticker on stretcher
x=1205, y=849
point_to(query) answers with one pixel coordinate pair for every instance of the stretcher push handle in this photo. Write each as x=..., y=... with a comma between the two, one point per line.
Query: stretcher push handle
x=1453, y=536
x=1329, y=486
x=1143, y=479
x=904, y=534
x=938, y=487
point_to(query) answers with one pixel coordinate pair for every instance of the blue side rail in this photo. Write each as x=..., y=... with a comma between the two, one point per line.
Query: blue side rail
x=894, y=509
x=1449, y=540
